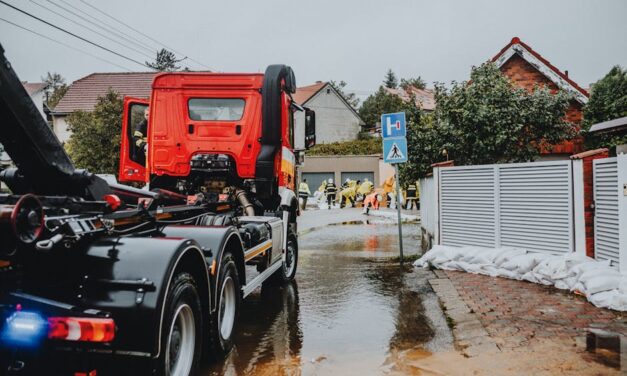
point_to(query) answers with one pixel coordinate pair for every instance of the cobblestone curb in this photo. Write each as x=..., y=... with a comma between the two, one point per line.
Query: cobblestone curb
x=471, y=338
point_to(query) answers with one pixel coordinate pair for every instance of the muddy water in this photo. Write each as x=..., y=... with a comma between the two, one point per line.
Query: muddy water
x=350, y=310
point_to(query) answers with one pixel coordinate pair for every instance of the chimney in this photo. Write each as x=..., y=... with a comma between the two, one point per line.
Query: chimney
x=318, y=82
x=566, y=73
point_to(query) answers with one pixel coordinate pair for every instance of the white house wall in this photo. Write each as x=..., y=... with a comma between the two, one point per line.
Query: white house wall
x=59, y=125
x=38, y=99
x=334, y=121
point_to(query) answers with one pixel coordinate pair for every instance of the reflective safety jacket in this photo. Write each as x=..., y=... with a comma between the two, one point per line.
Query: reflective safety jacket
x=139, y=135
x=412, y=191
x=371, y=199
x=365, y=188
x=303, y=189
x=330, y=189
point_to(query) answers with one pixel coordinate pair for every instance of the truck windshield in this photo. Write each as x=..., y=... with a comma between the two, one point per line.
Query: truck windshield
x=216, y=109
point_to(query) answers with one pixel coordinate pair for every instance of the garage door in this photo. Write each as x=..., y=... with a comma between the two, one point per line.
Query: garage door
x=314, y=179
x=358, y=176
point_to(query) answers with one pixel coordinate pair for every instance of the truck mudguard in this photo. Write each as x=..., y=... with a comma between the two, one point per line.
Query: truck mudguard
x=129, y=277
x=214, y=242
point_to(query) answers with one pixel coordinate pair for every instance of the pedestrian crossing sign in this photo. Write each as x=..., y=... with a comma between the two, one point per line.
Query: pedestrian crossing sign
x=395, y=150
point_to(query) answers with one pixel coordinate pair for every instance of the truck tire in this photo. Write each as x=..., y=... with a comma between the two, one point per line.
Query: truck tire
x=224, y=319
x=181, y=334
x=287, y=271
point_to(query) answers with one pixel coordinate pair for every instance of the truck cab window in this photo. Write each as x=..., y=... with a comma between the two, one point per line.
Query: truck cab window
x=216, y=109
x=137, y=132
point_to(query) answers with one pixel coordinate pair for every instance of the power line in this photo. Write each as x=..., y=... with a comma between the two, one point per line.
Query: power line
x=89, y=28
x=101, y=27
x=74, y=35
x=137, y=31
x=65, y=44
x=111, y=27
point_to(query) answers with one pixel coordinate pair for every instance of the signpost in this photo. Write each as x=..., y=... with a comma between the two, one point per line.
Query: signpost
x=393, y=132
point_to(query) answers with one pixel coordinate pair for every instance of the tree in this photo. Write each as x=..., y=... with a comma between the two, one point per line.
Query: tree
x=608, y=101
x=165, y=62
x=390, y=80
x=418, y=83
x=487, y=120
x=95, y=140
x=426, y=142
x=55, y=88
x=350, y=98
x=383, y=102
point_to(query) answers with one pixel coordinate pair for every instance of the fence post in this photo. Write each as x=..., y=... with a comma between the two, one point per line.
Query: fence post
x=579, y=222
x=436, y=205
x=497, y=207
x=621, y=165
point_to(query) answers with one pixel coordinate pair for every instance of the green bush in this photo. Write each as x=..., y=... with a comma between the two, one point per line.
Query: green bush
x=367, y=146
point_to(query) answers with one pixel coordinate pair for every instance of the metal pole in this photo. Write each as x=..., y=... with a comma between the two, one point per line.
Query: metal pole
x=398, y=210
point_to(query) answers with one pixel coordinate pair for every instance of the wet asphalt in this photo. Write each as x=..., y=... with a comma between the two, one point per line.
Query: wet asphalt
x=351, y=310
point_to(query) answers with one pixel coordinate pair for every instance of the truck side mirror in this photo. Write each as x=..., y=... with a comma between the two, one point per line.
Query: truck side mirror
x=310, y=128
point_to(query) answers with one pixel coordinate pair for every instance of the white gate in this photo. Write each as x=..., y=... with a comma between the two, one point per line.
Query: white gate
x=527, y=205
x=606, y=209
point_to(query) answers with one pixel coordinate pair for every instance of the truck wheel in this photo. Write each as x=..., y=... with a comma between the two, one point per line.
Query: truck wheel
x=181, y=334
x=287, y=272
x=224, y=318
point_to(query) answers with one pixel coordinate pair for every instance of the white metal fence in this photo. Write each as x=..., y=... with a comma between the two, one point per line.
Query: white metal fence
x=529, y=205
x=610, y=212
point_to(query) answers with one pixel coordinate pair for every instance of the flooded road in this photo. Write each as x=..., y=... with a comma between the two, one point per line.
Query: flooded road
x=351, y=310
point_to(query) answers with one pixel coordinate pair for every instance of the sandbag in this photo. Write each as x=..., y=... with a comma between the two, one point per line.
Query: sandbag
x=508, y=254
x=524, y=263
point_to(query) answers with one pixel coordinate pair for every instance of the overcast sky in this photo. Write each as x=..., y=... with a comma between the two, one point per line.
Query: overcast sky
x=355, y=41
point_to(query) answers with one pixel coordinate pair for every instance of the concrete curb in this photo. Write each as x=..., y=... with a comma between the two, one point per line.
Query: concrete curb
x=471, y=338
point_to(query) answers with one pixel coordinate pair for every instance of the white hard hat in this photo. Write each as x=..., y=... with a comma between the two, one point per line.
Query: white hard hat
x=379, y=198
x=348, y=179
x=330, y=180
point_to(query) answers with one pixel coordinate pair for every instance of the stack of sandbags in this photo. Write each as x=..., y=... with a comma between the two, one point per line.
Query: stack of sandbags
x=601, y=283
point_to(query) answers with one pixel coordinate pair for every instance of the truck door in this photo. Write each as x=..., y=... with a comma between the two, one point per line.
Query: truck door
x=132, y=155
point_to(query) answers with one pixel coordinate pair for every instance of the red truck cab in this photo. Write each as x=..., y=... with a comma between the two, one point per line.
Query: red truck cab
x=193, y=114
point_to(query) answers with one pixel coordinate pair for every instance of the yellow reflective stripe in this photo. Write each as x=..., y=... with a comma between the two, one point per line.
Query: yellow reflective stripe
x=140, y=142
x=138, y=134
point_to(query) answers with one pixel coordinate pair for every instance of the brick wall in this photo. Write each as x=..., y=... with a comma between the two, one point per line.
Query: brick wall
x=588, y=193
x=528, y=77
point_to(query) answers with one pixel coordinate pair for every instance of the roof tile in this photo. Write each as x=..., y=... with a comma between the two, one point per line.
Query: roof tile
x=83, y=94
x=303, y=94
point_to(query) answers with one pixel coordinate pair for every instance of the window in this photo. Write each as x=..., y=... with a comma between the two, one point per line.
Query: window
x=135, y=118
x=216, y=109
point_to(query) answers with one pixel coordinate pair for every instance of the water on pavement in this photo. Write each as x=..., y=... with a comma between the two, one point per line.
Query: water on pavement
x=351, y=309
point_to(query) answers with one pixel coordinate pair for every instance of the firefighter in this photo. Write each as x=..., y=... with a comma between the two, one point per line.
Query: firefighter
x=348, y=193
x=139, y=138
x=330, y=191
x=303, y=193
x=412, y=195
x=365, y=188
x=372, y=200
x=388, y=189
x=319, y=193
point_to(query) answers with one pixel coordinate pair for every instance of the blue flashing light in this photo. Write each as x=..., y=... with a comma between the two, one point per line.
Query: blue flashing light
x=24, y=329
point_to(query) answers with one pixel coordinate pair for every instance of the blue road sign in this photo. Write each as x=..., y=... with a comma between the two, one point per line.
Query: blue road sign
x=395, y=150
x=393, y=125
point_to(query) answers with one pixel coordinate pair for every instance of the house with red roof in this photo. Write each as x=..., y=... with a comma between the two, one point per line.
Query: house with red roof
x=528, y=69
x=424, y=98
x=336, y=119
x=82, y=95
